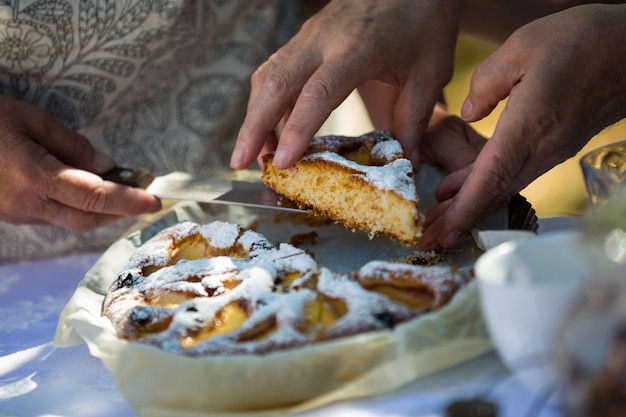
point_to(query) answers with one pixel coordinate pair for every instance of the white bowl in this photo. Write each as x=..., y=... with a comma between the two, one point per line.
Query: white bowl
x=527, y=288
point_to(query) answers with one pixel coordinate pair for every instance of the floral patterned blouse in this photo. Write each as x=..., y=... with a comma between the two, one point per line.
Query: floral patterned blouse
x=157, y=84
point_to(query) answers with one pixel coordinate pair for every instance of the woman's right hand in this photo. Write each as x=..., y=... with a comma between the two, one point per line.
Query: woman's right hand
x=48, y=174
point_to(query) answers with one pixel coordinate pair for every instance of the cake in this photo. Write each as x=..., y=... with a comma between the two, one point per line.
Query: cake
x=362, y=182
x=219, y=289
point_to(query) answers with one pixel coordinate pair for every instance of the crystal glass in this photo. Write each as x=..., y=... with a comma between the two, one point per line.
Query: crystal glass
x=604, y=171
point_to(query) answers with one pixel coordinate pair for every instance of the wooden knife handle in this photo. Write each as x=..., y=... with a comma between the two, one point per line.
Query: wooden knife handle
x=137, y=178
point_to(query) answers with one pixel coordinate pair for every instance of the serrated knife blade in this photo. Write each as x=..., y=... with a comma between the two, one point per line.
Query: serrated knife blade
x=192, y=187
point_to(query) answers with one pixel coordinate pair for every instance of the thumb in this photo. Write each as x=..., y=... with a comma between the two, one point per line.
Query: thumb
x=492, y=81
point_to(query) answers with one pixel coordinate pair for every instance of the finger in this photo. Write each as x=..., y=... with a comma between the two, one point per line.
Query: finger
x=451, y=184
x=328, y=87
x=489, y=185
x=451, y=143
x=283, y=120
x=430, y=236
x=435, y=212
x=491, y=82
x=64, y=143
x=412, y=114
x=52, y=181
x=87, y=192
x=274, y=88
x=33, y=208
x=269, y=146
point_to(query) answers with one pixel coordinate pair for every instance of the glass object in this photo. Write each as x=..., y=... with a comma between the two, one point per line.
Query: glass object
x=605, y=231
x=604, y=171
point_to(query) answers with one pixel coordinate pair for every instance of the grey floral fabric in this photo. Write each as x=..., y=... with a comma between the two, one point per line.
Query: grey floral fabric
x=157, y=84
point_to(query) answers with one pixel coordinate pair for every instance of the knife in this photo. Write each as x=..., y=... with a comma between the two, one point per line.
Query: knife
x=185, y=186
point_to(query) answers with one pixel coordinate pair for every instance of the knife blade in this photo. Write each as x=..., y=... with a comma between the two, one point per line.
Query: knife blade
x=185, y=186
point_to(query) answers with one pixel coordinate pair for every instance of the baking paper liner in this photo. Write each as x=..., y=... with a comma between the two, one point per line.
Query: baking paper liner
x=157, y=383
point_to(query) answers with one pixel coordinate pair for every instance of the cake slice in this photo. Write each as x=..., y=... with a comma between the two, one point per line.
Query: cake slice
x=362, y=182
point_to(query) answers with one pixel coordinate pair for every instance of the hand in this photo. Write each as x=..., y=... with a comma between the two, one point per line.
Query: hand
x=565, y=81
x=47, y=174
x=452, y=144
x=406, y=43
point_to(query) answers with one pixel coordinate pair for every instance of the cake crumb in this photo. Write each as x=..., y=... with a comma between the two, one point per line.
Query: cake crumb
x=421, y=258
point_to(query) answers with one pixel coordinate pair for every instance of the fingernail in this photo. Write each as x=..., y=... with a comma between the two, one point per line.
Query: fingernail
x=102, y=162
x=237, y=158
x=280, y=157
x=155, y=206
x=466, y=109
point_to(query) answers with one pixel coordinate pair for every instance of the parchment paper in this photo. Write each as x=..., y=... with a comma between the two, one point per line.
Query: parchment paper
x=158, y=383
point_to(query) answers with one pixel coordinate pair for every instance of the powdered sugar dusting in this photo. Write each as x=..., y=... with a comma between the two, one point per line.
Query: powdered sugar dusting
x=395, y=176
x=270, y=299
x=390, y=170
x=365, y=308
x=220, y=234
x=388, y=150
x=432, y=273
x=443, y=280
x=253, y=241
x=157, y=251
